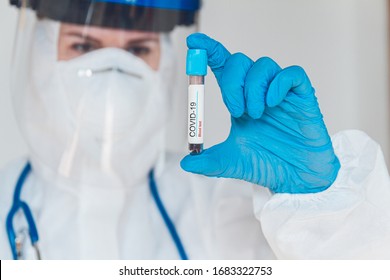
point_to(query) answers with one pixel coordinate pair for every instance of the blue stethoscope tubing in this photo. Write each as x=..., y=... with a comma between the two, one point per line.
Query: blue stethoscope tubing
x=164, y=214
x=18, y=204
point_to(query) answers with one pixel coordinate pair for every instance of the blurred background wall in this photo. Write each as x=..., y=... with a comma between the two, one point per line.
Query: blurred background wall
x=342, y=45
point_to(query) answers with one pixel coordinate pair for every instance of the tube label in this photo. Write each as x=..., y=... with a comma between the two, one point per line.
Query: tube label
x=195, y=114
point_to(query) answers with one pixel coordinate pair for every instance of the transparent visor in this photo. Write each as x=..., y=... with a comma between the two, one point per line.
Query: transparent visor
x=93, y=92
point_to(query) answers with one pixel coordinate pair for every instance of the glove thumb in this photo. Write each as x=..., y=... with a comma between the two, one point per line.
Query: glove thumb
x=209, y=163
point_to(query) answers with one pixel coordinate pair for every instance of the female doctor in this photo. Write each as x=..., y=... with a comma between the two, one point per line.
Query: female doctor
x=91, y=92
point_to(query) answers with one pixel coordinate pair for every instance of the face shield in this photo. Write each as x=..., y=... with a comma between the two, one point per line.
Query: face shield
x=92, y=85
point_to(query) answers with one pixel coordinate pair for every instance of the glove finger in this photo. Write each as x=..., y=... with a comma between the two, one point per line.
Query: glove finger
x=209, y=163
x=216, y=52
x=256, y=85
x=292, y=79
x=233, y=82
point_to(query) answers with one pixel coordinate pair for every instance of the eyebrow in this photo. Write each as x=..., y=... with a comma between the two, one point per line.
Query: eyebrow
x=141, y=40
x=89, y=38
x=81, y=36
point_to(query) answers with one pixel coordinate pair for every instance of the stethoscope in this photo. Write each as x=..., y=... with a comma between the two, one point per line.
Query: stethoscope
x=19, y=205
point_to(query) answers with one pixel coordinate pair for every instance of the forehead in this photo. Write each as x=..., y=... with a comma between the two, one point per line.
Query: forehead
x=100, y=33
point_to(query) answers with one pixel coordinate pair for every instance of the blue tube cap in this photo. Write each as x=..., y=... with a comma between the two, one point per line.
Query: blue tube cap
x=196, y=62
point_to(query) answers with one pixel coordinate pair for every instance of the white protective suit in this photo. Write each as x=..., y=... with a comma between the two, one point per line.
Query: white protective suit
x=91, y=154
x=215, y=218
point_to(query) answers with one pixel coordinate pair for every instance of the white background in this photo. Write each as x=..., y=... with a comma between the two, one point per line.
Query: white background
x=342, y=45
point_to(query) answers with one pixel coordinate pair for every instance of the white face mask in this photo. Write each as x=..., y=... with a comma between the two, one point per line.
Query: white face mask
x=96, y=120
x=107, y=89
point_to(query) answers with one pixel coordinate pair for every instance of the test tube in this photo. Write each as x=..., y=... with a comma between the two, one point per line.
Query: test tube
x=196, y=71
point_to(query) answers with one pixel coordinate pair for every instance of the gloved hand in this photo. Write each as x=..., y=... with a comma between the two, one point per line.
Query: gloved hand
x=278, y=138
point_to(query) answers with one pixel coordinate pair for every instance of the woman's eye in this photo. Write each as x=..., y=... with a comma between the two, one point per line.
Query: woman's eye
x=83, y=47
x=139, y=51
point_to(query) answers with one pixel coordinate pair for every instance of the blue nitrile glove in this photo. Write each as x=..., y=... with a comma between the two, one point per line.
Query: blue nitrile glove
x=278, y=138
